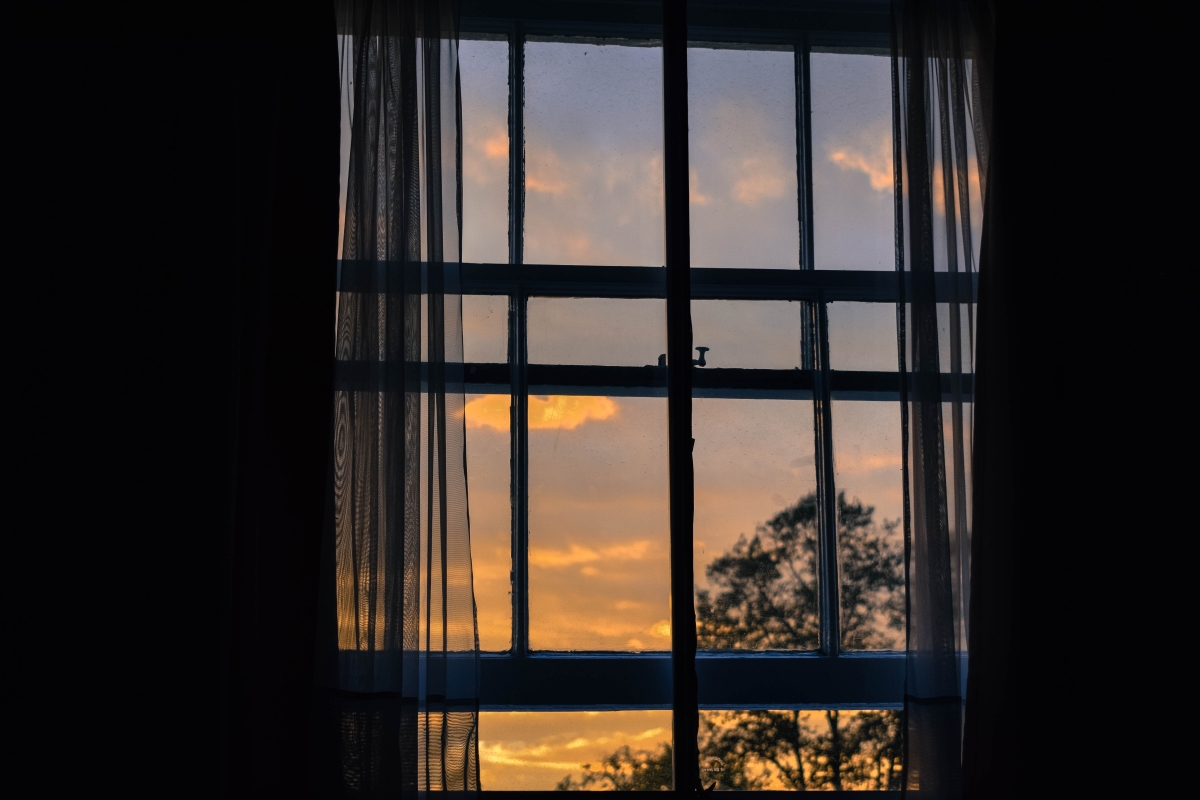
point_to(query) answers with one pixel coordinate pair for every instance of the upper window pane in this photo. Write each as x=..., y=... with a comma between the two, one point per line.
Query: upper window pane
x=598, y=331
x=483, y=69
x=593, y=154
x=862, y=336
x=853, y=214
x=742, y=154
x=748, y=334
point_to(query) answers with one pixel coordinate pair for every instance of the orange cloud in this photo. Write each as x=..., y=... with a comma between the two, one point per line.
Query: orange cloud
x=546, y=174
x=548, y=557
x=876, y=165
x=568, y=411
x=695, y=196
x=762, y=183
x=552, y=412
x=497, y=146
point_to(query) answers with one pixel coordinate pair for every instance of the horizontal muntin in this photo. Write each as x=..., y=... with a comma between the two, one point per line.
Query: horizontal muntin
x=650, y=381
x=708, y=283
x=728, y=680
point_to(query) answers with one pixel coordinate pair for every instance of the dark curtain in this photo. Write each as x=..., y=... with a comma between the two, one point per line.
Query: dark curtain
x=942, y=73
x=400, y=649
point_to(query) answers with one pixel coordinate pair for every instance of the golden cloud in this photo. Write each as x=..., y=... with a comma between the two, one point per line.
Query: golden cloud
x=551, y=412
x=763, y=182
x=548, y=557
x=546, y=174
x=497, y=146
x=875, y=164
x=568, y=411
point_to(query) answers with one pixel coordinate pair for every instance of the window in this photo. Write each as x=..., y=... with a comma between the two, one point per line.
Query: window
x=796, y=394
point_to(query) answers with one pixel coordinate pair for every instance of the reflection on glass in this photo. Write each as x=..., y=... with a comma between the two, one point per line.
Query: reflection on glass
x=801, y=750
x=485, y=329
x=599, y=569
x=748, y=334
x=491, y=517
x=852, y=161
x=593, y=154
x=483, y=70
x=597, y=331
x=862, y=336
x=755, y=524
x=867, y=459
x=742, y=154
x=534, y=751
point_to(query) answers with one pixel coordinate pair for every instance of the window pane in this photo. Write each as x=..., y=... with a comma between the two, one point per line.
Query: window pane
x=867, y=459
x=862, y=336
x=852, y=161
x=742, y=154
x=489, y=506
x=798, y=750
x=534, y=751
x=748, y=334
x=483, y=70
x=755, y=529
x=593, y=154
x=599, y=568
x=485, y=329
x=597, y=331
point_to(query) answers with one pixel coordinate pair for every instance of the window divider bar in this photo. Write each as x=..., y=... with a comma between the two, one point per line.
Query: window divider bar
x=518, y=350
x=684, y=686
x=519, y=463
x=516, y=145
x=826, y=489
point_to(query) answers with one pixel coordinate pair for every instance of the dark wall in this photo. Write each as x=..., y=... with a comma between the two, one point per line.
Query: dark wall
x=171, y=185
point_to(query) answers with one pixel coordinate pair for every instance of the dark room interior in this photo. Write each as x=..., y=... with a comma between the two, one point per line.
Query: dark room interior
x=436, y=513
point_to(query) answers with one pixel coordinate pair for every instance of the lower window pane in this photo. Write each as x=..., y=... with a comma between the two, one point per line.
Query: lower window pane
x=801, y=750
x=599, y=564
x=755, y=530
x=867, y=458
x=533, y=751
x=488, y=477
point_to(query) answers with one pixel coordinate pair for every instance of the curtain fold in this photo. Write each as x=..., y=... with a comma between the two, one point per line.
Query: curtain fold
x=941, y=79
x=407, y=654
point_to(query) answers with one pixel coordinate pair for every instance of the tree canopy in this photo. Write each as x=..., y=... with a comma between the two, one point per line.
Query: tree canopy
x=764, y=596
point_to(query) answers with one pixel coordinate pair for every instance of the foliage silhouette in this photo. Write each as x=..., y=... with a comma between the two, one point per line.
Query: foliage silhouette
x=625, y=771
x=765, y=597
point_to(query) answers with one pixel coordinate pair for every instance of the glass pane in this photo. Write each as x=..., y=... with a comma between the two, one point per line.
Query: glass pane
x=483, y=70
x=485, y=329
x=599, y=564
x=593, y=154
x=537, y=751
x=802, y=750
x=867, y=459
x=742, y=154
x=852, y=161
x=488, y=477
x=862, y=336
x=755, y=528
x=748, y=334
x=596, y=331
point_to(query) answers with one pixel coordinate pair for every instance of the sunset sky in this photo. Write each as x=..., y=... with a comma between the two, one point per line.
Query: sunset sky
x=599, y=570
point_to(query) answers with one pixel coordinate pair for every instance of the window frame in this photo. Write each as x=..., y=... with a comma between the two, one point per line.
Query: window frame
x=523, y=680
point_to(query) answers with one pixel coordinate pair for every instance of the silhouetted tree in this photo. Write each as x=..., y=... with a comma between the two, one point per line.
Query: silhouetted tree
x=625, y=771
x=765, y=597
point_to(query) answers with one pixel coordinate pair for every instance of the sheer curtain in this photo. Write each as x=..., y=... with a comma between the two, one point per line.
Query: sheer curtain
x=406, y=669
x=941, y=77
